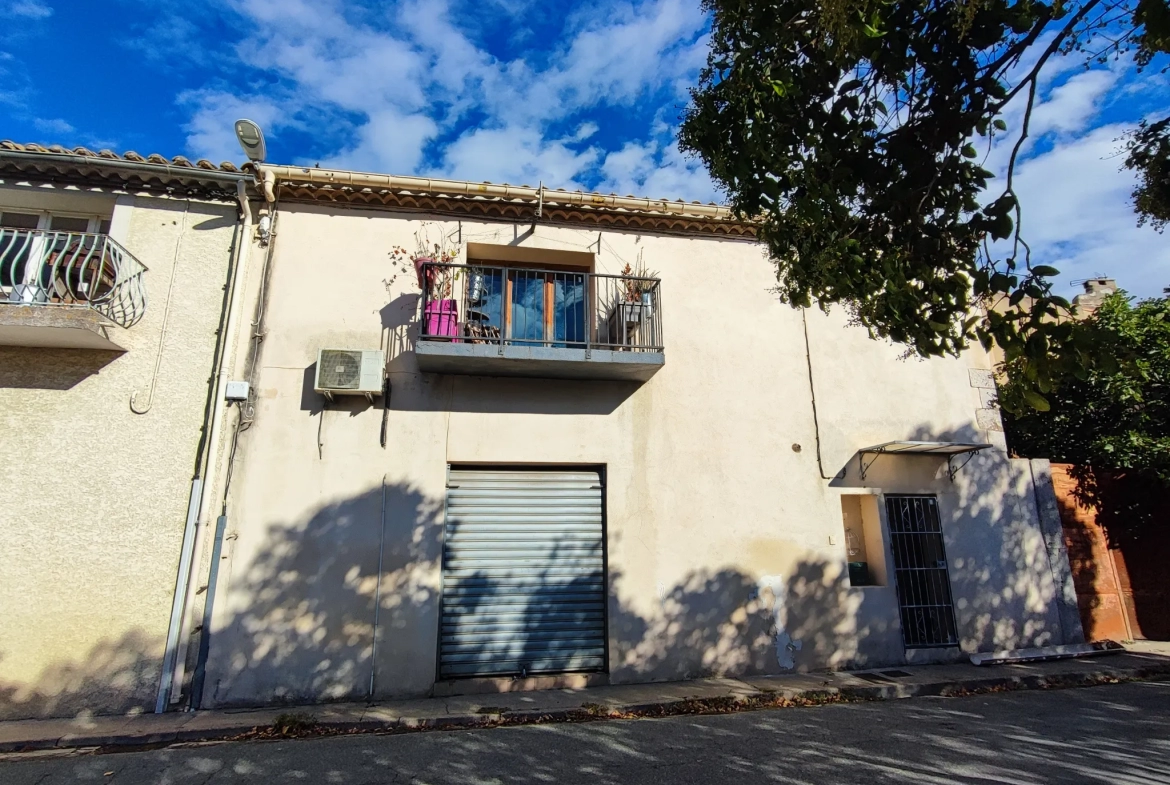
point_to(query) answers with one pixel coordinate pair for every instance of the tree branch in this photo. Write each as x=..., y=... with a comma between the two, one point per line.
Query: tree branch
x=1012, y=55
x=1011, y=173
x=1052, y=48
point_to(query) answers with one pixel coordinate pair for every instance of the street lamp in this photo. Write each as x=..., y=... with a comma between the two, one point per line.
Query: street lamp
x=251, y=138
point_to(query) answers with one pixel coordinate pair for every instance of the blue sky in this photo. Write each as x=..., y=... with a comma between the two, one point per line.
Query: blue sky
x=572, y=94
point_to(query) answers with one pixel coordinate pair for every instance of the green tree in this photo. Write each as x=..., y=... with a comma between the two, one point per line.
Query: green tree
x=853, y=131
x=1149, y=156
x=1115, y=415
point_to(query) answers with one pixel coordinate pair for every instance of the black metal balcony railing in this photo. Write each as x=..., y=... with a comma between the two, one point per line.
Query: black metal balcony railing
x=71, y=269
x=521, y=306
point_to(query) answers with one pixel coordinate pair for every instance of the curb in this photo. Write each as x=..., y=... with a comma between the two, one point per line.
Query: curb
x=591, y=712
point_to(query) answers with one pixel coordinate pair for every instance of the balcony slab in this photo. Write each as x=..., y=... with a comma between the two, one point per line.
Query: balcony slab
x=55, y=327
x=477, y=359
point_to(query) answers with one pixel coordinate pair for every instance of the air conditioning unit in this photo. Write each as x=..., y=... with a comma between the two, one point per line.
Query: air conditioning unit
x=350, y=372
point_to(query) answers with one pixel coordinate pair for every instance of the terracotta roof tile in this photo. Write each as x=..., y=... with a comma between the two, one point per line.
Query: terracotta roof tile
x=330, y=193
x=129, y=155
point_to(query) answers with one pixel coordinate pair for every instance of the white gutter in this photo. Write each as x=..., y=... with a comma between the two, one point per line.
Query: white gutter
x=362, y=180
x=187, y=583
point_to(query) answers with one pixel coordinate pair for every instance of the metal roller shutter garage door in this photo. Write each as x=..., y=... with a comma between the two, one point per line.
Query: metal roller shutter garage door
x=523, y=573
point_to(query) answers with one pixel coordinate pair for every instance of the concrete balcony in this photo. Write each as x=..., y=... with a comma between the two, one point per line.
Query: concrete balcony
x=487, y=320
x=67, y=290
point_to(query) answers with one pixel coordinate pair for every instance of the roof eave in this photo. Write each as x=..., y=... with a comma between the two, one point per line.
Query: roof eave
x=120, y=173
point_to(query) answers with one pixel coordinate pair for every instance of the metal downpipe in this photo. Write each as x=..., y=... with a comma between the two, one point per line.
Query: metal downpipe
x=174, y=665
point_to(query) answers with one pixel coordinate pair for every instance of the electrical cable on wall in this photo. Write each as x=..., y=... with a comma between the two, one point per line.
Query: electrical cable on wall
x=244, y=420
x=378, y=592
x=162, y=336
x=813, y=395
x=320, y=425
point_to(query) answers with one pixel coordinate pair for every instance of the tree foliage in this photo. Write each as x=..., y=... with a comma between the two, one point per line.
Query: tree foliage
x=1115, y=415
x=1149, y=156
x=855, y=131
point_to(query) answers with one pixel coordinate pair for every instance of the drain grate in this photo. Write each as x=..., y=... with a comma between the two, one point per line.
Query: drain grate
x=896, y=674
x=875, y=678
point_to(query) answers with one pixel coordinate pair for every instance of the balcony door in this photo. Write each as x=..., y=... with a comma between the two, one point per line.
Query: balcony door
x=546, y=308
x=30, y=241
x=530, y=307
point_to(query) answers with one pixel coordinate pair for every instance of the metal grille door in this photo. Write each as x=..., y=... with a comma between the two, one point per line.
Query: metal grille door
x=523, y=573
x=920, y=572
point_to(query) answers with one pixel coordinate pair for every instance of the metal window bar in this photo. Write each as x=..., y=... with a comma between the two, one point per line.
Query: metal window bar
x=78, y=269
x=920, y=572
x=525, y=306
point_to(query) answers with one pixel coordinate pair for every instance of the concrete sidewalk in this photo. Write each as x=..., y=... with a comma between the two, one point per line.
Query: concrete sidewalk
x=701, y=696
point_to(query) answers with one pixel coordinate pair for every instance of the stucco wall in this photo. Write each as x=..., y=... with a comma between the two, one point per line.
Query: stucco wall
x=719, y=527
x=96, y=496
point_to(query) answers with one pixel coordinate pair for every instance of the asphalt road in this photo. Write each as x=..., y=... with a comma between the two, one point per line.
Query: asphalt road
x=1114, y=734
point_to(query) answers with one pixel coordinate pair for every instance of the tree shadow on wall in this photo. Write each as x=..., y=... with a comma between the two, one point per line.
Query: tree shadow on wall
x=728, y=623
x=295, y=609
x=300, y=609
x=1006, y=588
x=294, y=619
x=115, y=676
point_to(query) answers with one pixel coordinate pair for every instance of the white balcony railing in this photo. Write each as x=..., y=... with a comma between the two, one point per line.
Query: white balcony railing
x=71, y=269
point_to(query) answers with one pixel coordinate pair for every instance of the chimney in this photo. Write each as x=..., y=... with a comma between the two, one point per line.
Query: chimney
x=1096, y=290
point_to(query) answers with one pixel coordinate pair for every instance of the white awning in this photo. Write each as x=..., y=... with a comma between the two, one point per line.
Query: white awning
x=946, y=450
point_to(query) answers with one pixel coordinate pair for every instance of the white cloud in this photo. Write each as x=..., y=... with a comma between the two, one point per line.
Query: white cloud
x=170, y=32
x=1077, y=212
x=1078, y=215
x=1074, y=104
x=658, y=172
x=632, y=49
x=515, y=155
x=100, y=143
x=405, y=88
x=1068, y=102
x=388, y=142
x=211, y=131
x=53, y=126
x=585, y=131
x=30, y=9
x=402, y=83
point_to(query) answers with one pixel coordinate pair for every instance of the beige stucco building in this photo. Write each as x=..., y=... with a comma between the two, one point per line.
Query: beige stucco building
x=682, y=498
x=113, y=273
x=603, y=452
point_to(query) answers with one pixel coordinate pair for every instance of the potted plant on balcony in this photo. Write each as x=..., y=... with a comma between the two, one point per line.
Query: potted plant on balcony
x=635, y=305
x=436, y=279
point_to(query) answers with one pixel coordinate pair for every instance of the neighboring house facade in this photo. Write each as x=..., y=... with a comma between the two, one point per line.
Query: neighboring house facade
x=499, y=437
x=112, y=276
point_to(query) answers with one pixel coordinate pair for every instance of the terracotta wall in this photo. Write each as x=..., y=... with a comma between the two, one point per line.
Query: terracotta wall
x=1118, y=563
